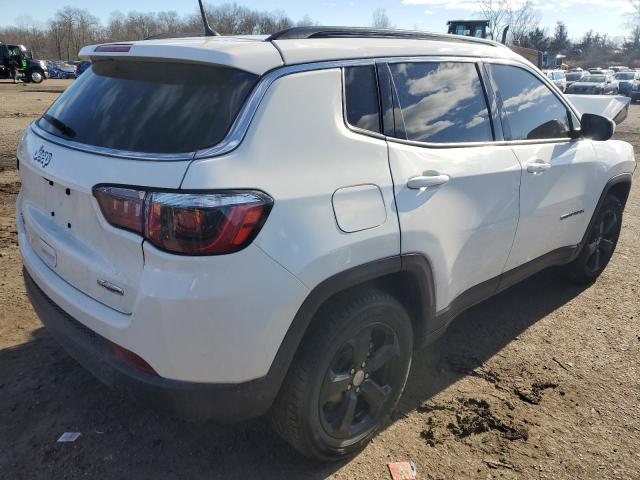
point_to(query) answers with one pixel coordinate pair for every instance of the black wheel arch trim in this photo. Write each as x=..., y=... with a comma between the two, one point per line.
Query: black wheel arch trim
x=415, y=265
x=616, y=180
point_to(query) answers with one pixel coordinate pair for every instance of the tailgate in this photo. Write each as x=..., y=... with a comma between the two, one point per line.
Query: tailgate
x=63, y=222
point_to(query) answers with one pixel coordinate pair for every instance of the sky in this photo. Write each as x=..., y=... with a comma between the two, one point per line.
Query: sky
x=605, y=16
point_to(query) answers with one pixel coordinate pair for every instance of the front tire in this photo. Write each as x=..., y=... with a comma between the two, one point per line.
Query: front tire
x=600, y=244
x=35, y=76
x=347, y=376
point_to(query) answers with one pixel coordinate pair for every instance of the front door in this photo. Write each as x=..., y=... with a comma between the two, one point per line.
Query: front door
x=558, y=173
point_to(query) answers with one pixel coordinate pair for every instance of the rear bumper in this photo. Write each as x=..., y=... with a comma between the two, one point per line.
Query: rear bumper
x=195, y=401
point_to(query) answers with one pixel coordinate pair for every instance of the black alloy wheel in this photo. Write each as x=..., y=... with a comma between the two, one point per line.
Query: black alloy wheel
x=358, y=383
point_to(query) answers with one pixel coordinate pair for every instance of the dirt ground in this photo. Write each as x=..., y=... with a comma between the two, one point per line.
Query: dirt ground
x=539, y=382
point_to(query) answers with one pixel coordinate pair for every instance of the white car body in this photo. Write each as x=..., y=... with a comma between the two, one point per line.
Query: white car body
x=342, y=199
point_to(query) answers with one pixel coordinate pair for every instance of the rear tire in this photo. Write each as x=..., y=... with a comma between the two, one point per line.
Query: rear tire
x=347, y=376
x=600, y=244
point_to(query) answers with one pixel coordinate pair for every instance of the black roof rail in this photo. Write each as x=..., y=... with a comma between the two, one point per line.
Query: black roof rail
x=301, y=33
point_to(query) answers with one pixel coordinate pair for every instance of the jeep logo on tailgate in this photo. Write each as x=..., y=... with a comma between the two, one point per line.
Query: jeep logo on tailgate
x=42, y=156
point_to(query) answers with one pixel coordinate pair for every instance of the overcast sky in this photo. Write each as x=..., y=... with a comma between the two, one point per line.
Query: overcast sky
x=607, y=16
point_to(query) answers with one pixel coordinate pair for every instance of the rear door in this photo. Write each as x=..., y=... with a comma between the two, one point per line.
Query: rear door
x=559, y=174
x=63, y=223
x=456, y=193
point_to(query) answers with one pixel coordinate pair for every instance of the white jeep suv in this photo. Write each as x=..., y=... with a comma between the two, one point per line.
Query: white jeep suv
x=235, y=226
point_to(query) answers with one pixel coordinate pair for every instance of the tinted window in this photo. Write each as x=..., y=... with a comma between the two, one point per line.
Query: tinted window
x=361, y=91
x=531, y=110
x=442, y=102
x=149, y=106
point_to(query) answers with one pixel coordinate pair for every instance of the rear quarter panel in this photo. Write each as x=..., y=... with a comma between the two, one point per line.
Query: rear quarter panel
x=299, y=150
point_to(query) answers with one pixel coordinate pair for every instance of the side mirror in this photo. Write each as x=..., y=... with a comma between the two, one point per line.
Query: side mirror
x=597, y=127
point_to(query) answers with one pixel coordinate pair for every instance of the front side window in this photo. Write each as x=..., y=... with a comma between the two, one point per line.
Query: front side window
x=530, y=109
x=442, y=102
x=361, y=98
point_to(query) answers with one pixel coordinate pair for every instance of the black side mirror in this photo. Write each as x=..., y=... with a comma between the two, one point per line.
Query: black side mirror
x=597, y=127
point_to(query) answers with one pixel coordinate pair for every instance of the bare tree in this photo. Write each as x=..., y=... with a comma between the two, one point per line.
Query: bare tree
x=381, y=19
x=522, y=21
x=496, y=12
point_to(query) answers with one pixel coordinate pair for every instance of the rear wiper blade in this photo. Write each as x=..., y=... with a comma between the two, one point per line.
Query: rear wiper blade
x=62, y=127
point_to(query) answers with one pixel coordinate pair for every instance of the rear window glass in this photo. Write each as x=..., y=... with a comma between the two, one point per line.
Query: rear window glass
x=442, y=102
x=361, y=92
x=149, y=107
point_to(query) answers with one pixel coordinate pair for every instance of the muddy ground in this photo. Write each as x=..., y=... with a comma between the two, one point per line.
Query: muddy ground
x=539, y=382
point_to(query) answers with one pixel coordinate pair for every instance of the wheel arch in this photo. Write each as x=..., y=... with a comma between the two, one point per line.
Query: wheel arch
x=620, y=186
x=408, y=278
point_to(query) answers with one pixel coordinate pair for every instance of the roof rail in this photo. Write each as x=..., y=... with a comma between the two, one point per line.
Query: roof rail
x=300, y=33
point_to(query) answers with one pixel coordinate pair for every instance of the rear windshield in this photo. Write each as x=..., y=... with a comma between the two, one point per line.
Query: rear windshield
x=574, y=76
x=625, y=76
x=149, y=107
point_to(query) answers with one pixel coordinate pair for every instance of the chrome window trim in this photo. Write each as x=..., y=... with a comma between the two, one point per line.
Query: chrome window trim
x=243, y=120
x=498, y=143
x=109, y=152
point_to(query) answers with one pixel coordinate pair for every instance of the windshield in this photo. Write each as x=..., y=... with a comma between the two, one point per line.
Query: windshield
x=625, y=76
x=594, y=79
x=574, y=76
x=150, y=107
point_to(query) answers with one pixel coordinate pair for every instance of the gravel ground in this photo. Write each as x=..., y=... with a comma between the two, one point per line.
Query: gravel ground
x=541, y=381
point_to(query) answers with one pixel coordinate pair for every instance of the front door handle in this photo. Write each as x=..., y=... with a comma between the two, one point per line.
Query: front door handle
x=538, y=166
x=425, y=181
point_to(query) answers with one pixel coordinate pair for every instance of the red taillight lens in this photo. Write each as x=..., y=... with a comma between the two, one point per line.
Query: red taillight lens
x=122, y=207
x=188, y=223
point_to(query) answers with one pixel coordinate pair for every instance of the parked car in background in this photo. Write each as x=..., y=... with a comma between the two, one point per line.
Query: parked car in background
x=558, y=78
x=596, y=71
x=634, y=94
x=82, y=67
x=600, y=84
x=619, y=68
x=626, y=81
x=575, y=76
x=66, y=71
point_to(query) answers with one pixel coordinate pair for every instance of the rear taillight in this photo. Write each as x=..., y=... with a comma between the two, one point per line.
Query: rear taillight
x=187, y=223
x=122, y=207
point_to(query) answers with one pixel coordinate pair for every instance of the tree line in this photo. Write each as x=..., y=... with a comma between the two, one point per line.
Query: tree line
x=592, y=48
x=72, y=28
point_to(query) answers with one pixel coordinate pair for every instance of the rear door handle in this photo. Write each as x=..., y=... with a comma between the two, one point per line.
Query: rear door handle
x=425, y=181
x=538, y=166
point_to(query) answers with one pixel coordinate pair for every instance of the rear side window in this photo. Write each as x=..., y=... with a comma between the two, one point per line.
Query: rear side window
x=361, y=98
x=530, y=109
x=442, y=102
x=150, y=107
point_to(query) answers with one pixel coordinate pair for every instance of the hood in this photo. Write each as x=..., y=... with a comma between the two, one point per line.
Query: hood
x=37, y=63
x=613, y=108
